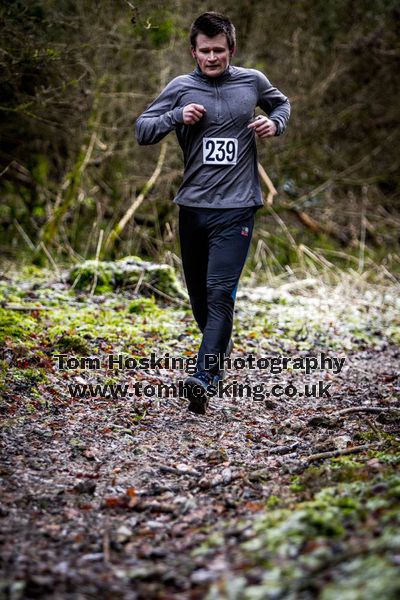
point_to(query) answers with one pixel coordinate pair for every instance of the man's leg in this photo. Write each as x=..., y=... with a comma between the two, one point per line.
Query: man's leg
x=230, y=232
x=194, y=251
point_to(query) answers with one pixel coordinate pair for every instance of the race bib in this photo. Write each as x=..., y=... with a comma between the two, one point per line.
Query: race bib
x=220, y=151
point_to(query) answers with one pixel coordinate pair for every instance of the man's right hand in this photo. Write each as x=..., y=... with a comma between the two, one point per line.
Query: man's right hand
x=192, y=113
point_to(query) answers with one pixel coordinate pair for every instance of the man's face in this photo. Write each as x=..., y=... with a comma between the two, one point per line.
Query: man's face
x=212, y=54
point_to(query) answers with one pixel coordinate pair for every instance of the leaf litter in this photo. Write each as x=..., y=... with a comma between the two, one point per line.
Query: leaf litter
x=137, y=498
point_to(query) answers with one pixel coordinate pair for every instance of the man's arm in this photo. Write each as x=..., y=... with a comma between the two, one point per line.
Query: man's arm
x=275, y=104
x=161, y=117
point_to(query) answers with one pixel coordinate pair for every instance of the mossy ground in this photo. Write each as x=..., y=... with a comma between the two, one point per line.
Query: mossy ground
x=130, y=272
x=332, y=534
x=222, y=506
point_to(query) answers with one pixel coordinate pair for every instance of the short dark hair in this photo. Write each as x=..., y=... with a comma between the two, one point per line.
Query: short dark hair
x=211, y=24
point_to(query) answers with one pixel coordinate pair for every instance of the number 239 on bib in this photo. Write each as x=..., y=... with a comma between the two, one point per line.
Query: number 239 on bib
x=220, y=151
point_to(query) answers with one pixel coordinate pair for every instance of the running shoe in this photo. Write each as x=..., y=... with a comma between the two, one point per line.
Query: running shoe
x=196, y=392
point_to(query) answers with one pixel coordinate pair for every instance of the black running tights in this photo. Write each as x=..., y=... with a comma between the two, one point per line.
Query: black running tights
x=214, y=247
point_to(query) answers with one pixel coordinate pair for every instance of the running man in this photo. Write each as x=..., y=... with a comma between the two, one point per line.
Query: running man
x=212, y=110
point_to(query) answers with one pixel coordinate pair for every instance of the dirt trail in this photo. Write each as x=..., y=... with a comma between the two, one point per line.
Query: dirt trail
x=137, y=498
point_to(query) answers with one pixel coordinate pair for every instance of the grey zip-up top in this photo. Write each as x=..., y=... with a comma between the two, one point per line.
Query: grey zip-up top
x=220, y=154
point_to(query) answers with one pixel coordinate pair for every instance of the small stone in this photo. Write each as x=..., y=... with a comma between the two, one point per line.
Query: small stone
x=342, y=441
x=85, y=487
x=155, y=525
x=202, y=576
x=292, y=424
x=123, y=533
x=322, y=421
x=217, y=456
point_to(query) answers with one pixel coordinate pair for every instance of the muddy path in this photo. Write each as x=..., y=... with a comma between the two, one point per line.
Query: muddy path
x=135, y=497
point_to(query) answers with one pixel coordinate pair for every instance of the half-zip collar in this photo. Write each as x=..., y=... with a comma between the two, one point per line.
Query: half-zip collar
x=212, y=80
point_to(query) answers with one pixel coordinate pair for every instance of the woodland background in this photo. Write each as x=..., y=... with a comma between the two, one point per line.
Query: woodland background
x=75, y=74
x=105, y=495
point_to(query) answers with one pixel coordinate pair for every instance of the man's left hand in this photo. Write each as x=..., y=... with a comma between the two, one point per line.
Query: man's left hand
x=263, y=127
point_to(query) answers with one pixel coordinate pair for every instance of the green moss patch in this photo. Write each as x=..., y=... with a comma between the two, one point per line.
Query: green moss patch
x=72, y=343
x=143, y=306
x=15, y=325
x=129, y=272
